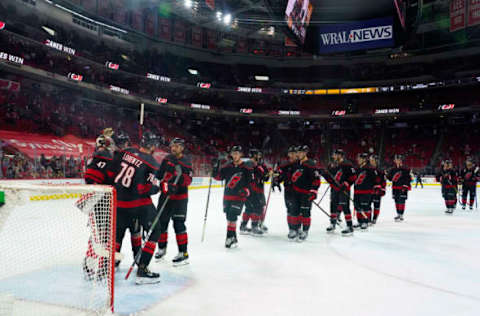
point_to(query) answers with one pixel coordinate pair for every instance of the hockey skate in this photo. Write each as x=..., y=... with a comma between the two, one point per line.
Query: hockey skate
x=231, y=242
x=357, y=226
x=160, y=255
x=347, y=232
x=292, y=235
x=302, y=235
x=263, y=227
x=331, y=229
x=398, y=218
x=256, y=231
x=449, y=211
x=180, y=259
x=244, y=230
x=463, y=206
x=374, y=221
x=145, y=276
x=471, y=207
x=364, y=227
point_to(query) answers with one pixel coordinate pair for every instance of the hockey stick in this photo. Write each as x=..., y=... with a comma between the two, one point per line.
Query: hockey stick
x=323, y=196
x=324, y=212
x=269, y=193
x=178, y=170
x=208, y=202
x=347, y=195
x=339, y=220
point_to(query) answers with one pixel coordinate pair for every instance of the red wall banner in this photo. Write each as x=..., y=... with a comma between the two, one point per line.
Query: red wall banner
x=210, y=4
x=164, y=30
x=179, y=32
x=473, y=12
x=33, y=145
x=457, y=15
x=197, y=39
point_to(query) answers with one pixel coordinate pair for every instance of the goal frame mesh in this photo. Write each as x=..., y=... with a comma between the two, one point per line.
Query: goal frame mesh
x=26, y=193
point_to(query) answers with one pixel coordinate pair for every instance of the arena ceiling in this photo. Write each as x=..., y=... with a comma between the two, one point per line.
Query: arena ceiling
x=255, y=18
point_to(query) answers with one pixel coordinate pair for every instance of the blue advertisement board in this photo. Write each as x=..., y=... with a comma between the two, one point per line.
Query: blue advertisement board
x=376, y=33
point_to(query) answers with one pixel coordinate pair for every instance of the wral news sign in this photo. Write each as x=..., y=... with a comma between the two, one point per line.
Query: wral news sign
x=369, y=34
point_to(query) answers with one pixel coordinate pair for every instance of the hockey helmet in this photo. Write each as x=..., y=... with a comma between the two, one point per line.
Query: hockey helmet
x=149, y=139
x=236, y=148
x=363, y=156
x=253, y=152
x=303, y=148
x=292, y=149
x=101, y=141
x=339, y=151
x=179, y=141
x=398, y=157
x=121, y=138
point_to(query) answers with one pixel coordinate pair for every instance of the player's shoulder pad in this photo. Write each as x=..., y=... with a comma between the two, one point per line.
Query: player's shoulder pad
x=170, y=159
x=248, y=165
x=185, y=162
x=310, y=163
x=148, y=160
x=103, y=154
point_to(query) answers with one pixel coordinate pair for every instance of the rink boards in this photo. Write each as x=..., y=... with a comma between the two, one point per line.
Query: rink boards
x=197, y=182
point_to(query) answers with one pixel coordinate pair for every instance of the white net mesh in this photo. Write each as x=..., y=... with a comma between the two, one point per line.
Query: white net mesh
x=57, y=249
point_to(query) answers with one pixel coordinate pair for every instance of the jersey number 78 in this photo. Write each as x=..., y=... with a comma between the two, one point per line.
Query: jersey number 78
x=125, y=175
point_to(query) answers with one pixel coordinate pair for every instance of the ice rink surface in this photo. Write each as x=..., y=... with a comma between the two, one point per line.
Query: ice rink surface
x=427, y=265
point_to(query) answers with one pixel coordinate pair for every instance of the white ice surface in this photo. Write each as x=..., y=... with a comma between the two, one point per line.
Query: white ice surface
x=427, y=265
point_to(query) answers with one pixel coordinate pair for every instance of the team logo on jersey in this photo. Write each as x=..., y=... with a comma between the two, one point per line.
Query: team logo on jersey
x=361, y=177
x=338, y=175
x=232, y=183
x=397, y=176
x=297, y=174
x=468, y=176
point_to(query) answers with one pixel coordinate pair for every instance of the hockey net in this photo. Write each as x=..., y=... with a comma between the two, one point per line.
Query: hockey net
x=57, y=249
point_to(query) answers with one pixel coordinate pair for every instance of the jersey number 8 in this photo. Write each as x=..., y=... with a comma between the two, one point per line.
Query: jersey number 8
x=126, y=175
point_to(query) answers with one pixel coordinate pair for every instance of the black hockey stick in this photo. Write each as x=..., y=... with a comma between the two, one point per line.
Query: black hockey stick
x=208, y=201
x=323, y=196
x=178, y=170
x=324, y=212
x=339, y=220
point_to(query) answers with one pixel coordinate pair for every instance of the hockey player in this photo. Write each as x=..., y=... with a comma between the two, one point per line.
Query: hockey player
x=365, y=178
x=122, y=141
x=448, y=178
x=468, y=178
x=255, y=203
x=176, y=207
x=305, y=184
x=401, y=184
x=97, y=167
x=284, y=174
x=135, y=182
x=340, y=175
x=97, y=173
x=238, y=178
x=378, y=189
x=266, y=175
x=418, y=179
